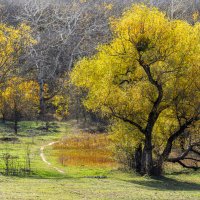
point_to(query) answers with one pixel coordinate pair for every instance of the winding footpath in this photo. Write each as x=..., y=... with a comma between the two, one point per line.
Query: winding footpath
x=42, y=148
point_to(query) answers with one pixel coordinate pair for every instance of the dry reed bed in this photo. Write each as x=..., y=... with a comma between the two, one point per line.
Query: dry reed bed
x=86, y=149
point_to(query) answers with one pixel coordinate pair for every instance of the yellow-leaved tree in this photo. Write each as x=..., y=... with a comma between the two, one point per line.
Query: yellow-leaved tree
x=147, y=80
x=19, y=99
x=13, y=42
x=61, y=104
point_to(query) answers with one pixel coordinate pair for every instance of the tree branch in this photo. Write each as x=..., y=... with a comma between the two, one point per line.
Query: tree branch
x=196, y=151
x=154, y=114
x=193, y=159
x=174, y=136
x=184, y=154
x=128, y=121
x=187, y=166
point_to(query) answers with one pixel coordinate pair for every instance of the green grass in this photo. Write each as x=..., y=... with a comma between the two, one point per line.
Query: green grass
x=126, y=187
x=85, y=182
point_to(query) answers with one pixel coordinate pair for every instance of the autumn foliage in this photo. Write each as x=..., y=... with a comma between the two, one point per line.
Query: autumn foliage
x=13, y=42
x=147, y=80
x=19, y=99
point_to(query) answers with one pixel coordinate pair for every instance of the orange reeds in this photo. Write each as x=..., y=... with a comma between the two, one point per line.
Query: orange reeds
x=86, y=150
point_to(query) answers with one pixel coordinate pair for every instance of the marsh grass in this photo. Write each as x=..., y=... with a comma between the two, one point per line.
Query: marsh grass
x=86, y=149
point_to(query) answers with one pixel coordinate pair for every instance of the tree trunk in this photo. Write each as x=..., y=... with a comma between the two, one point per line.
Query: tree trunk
x=47, y=125
x=3, y=118
x=16, y=126
x=148, y=155
x=42, y=104
x=147, y=158
x=84, y=115
x=143, y=170
x=138, y=159
x=16, y=119
x=158, y=167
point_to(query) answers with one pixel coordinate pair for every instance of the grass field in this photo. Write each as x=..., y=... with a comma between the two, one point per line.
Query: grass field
x=84, y=182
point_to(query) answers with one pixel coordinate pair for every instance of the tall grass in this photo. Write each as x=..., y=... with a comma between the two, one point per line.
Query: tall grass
x=86, y=150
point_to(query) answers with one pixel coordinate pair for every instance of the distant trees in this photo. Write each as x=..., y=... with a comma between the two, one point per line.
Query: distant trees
x=64, y=32
x=19, y=99
x=13, y=43
x=146, y=79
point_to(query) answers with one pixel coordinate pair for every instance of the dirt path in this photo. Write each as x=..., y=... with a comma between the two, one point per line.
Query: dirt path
x=44, y=158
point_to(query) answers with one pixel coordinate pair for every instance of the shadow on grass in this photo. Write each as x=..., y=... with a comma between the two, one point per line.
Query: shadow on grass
x=164, y=183
x=182, y=172
x=39, y=176
x=44, y=175
x=56, y=177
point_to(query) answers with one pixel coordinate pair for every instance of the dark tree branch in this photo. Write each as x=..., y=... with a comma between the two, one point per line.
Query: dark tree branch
x=154, y=114
x=187, y=166
x=193, y=159
x=174, y=136
x=181, y=157
x=184, y=154
x=196, y=151
x=127, y=120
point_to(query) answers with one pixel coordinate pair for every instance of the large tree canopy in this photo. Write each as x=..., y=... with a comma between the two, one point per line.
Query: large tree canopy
x=147, y=79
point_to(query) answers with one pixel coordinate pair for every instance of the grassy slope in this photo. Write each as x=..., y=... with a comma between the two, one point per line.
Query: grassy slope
x=78, y=183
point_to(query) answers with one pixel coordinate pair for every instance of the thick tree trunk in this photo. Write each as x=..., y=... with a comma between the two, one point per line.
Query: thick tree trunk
x=147, y=156
x=138, y=159
x=158, y=167
x=143, y=161
x=149, y=162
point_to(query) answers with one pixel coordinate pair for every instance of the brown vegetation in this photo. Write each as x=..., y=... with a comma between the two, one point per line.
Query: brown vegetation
x=86, y=150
